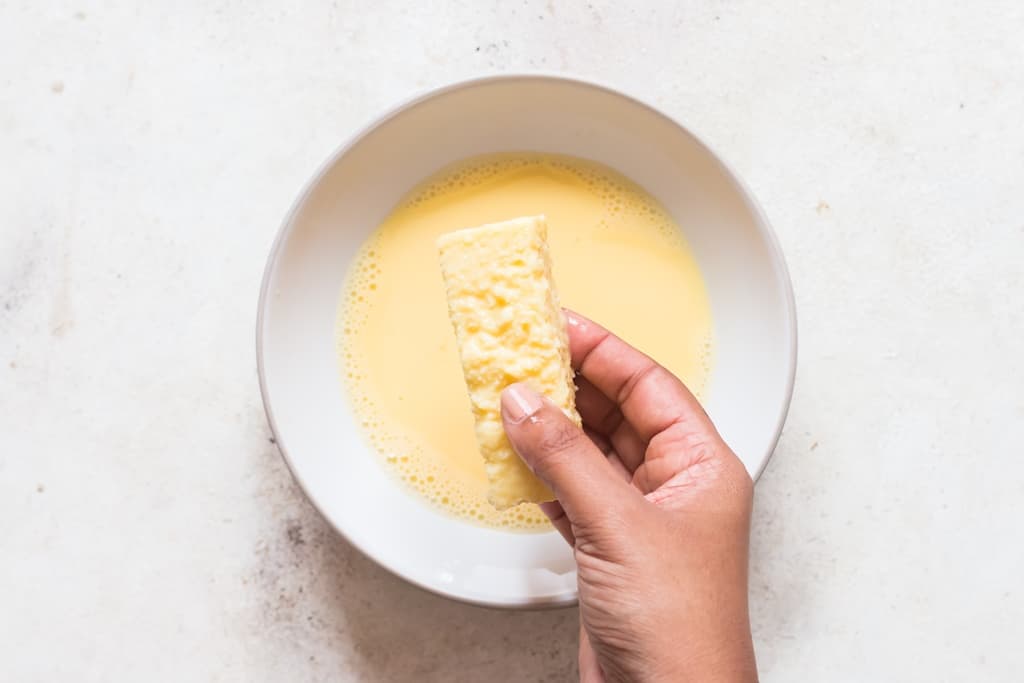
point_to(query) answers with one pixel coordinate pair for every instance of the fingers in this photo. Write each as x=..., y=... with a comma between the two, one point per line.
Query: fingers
x=553, y=509
x=673, y=451
x=604, y=418
x=650, y=397
x=597, y=410
x=561, y=455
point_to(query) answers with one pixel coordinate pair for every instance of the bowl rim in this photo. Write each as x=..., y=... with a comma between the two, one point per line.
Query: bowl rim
x=287, y=226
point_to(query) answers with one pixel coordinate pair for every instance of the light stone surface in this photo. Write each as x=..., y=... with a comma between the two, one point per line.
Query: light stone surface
x=147, y=154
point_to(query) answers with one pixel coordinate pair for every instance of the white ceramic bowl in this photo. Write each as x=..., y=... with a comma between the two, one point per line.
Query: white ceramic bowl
x=751, y=299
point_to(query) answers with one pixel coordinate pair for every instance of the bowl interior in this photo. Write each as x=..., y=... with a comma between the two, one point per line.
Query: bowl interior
x=754, y=344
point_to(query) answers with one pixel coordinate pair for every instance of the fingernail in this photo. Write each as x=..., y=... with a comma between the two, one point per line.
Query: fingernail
x=519, y=402
x=571, y=318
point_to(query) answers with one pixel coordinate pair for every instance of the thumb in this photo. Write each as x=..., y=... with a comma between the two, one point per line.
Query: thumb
x=561, y=455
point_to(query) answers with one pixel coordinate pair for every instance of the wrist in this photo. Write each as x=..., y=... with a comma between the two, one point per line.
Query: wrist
x=728, y=667
x=710, y=657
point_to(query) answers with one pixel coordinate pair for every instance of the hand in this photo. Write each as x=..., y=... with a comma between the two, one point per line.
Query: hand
x=657, y=509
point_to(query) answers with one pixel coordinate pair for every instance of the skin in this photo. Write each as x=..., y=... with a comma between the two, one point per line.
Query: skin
x=657, y=509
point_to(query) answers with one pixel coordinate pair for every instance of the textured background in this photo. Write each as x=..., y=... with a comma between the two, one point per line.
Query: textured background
x=148, y=530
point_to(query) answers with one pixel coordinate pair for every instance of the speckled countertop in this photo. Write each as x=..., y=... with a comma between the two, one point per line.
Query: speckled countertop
x=151, y=532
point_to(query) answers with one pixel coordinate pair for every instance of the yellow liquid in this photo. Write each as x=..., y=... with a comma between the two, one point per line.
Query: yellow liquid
x=618, y=258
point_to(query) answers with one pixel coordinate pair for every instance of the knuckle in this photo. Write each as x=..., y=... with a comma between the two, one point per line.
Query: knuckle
x=559, y=437
x=555, y=442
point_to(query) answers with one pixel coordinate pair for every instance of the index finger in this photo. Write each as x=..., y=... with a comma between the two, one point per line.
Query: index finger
x=650, y=397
